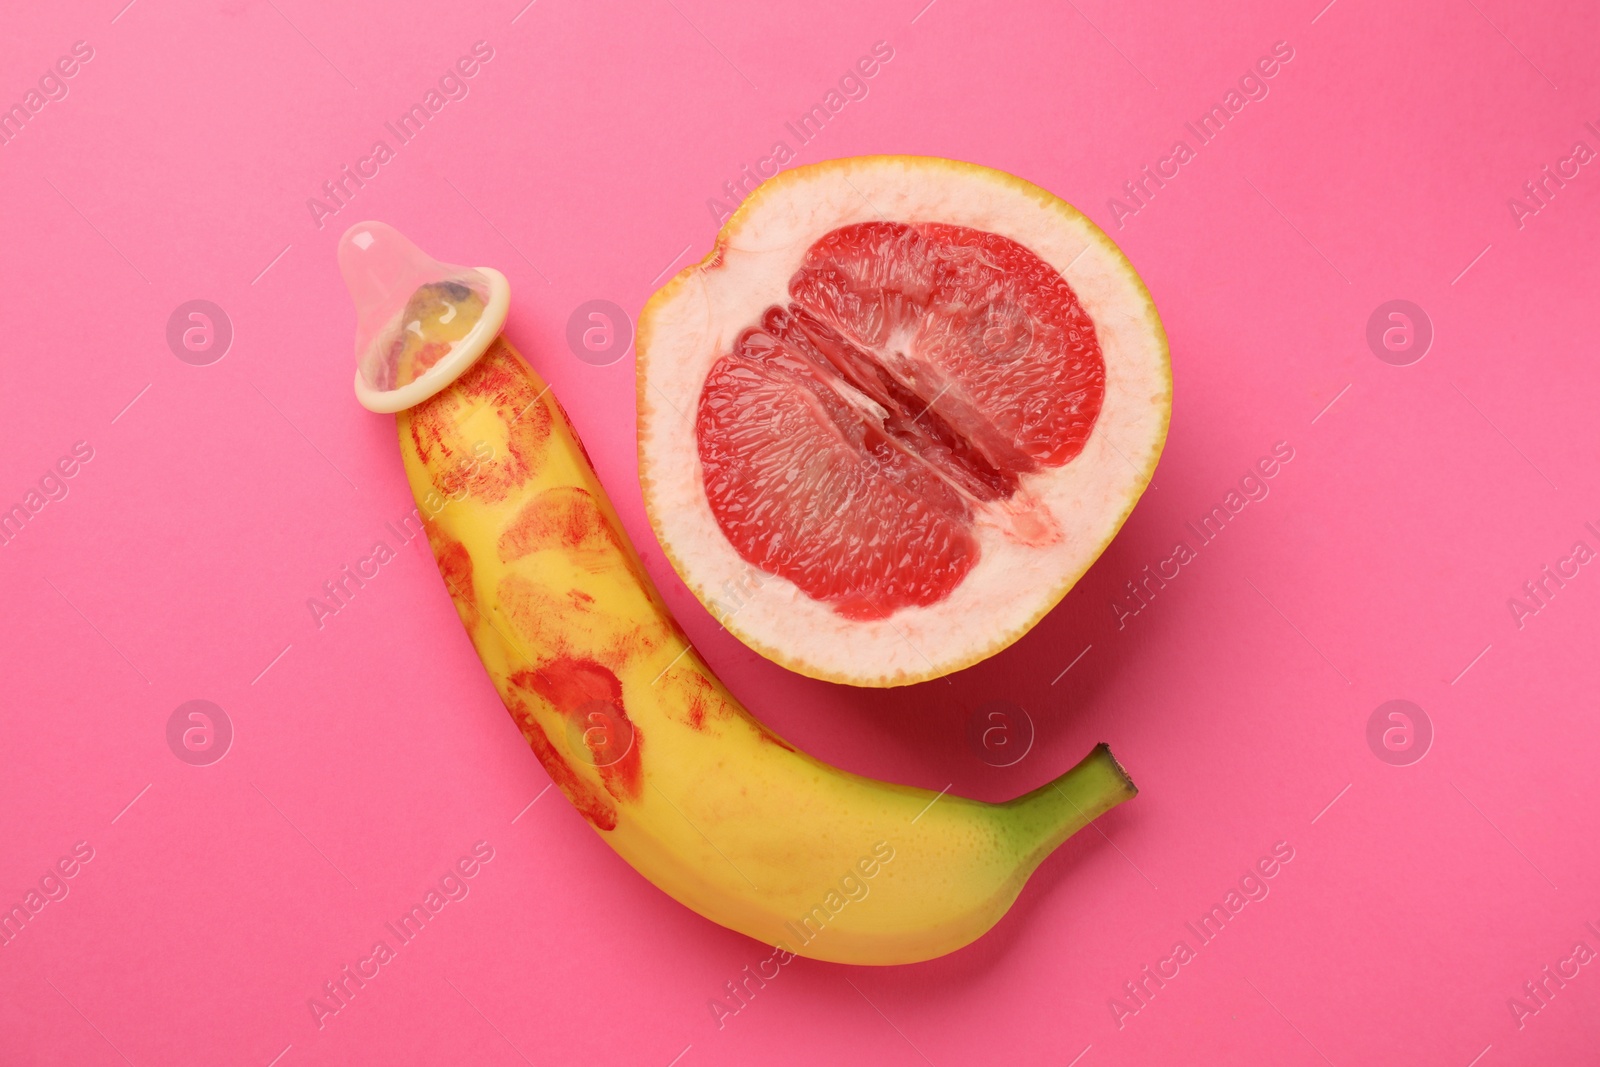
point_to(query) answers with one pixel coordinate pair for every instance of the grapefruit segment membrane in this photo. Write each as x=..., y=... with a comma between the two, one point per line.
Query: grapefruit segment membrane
x=910, y=400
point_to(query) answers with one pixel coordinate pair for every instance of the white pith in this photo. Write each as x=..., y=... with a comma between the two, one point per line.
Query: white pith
x=694, y=320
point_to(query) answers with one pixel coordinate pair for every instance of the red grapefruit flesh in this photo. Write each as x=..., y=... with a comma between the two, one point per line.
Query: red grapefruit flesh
x=918, y=371
x=896, y=413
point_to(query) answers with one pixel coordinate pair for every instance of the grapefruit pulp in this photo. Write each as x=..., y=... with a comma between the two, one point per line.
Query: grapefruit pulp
x=896, y=413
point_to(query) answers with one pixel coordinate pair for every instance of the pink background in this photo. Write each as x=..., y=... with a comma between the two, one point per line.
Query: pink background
x=370, y=754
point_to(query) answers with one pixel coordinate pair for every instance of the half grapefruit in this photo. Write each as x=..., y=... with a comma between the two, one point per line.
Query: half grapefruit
x=896, y=413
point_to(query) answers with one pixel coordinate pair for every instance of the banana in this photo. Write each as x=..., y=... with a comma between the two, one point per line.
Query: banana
x=664, y=763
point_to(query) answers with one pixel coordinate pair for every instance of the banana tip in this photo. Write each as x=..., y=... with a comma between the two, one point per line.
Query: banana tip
x=1122, y=772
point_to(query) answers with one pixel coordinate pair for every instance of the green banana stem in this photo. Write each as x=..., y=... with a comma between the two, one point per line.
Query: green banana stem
x=1044, y=818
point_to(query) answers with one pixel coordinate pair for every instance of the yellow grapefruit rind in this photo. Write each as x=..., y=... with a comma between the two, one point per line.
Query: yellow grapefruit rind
x=932, y=168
